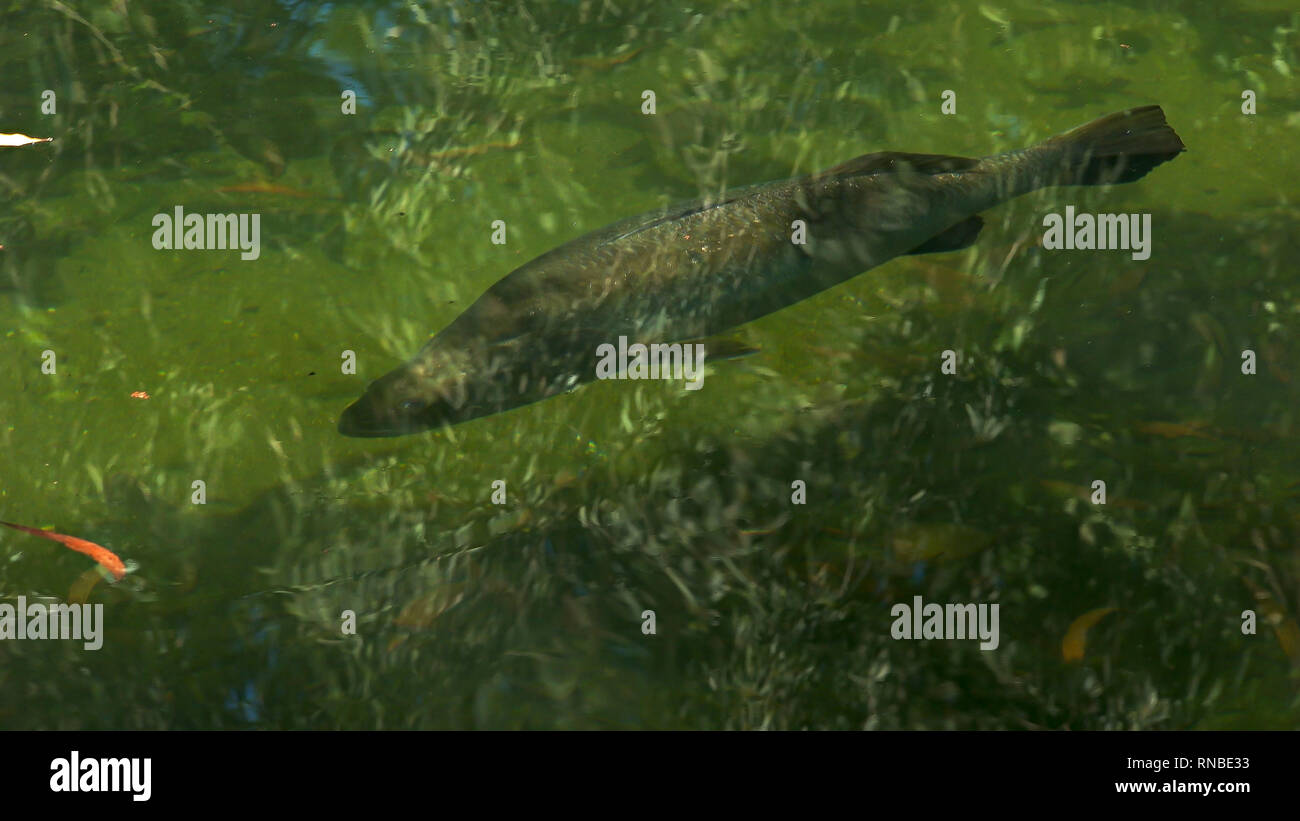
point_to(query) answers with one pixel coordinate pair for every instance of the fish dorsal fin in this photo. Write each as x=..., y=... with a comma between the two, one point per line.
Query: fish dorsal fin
x=897, y=162
x=883, y=162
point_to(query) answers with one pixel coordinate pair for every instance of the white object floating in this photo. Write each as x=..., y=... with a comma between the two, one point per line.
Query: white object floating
x=22, y=139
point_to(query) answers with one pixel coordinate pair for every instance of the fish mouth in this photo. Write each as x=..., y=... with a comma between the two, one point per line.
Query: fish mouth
x=359, y=420
x=356, y=423
x=395, y=404
x=351, y=425
x=406, y=401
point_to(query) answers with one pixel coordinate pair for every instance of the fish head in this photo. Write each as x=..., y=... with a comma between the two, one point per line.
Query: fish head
x=449, y=384
x=492, y=362
x=408, y=400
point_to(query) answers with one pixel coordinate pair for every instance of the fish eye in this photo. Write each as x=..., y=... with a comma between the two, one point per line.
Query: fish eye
x=411, y=405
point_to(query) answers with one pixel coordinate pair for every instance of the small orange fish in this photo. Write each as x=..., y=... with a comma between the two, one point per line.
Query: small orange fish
x=103, y=555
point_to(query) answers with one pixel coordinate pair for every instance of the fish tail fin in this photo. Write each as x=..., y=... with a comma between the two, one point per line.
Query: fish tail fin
x=1120, y=147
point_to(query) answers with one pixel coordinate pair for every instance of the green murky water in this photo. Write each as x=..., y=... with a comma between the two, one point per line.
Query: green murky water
x=624, y=497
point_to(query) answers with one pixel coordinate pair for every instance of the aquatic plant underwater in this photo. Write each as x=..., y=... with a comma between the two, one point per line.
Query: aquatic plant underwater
x=627, y=497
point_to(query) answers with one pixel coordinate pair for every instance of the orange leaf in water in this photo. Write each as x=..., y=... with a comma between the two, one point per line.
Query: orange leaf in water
x=1077, y=634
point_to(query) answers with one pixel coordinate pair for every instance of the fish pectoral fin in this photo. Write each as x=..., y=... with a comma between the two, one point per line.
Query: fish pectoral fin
x=893, y=162
x=724, y=347
x=962, y=235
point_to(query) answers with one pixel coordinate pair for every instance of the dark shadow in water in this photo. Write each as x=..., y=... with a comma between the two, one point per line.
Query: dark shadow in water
x=970, y=488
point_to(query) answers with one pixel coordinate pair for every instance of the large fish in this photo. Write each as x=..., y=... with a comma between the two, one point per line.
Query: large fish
x=695, y=270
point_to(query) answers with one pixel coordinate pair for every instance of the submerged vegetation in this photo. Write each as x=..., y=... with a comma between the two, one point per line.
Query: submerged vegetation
x=627, y=497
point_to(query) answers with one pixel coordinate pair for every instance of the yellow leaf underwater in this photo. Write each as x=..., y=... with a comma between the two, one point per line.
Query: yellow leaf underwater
x=931, y=542
x=1073, y=643
x=79, y=593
